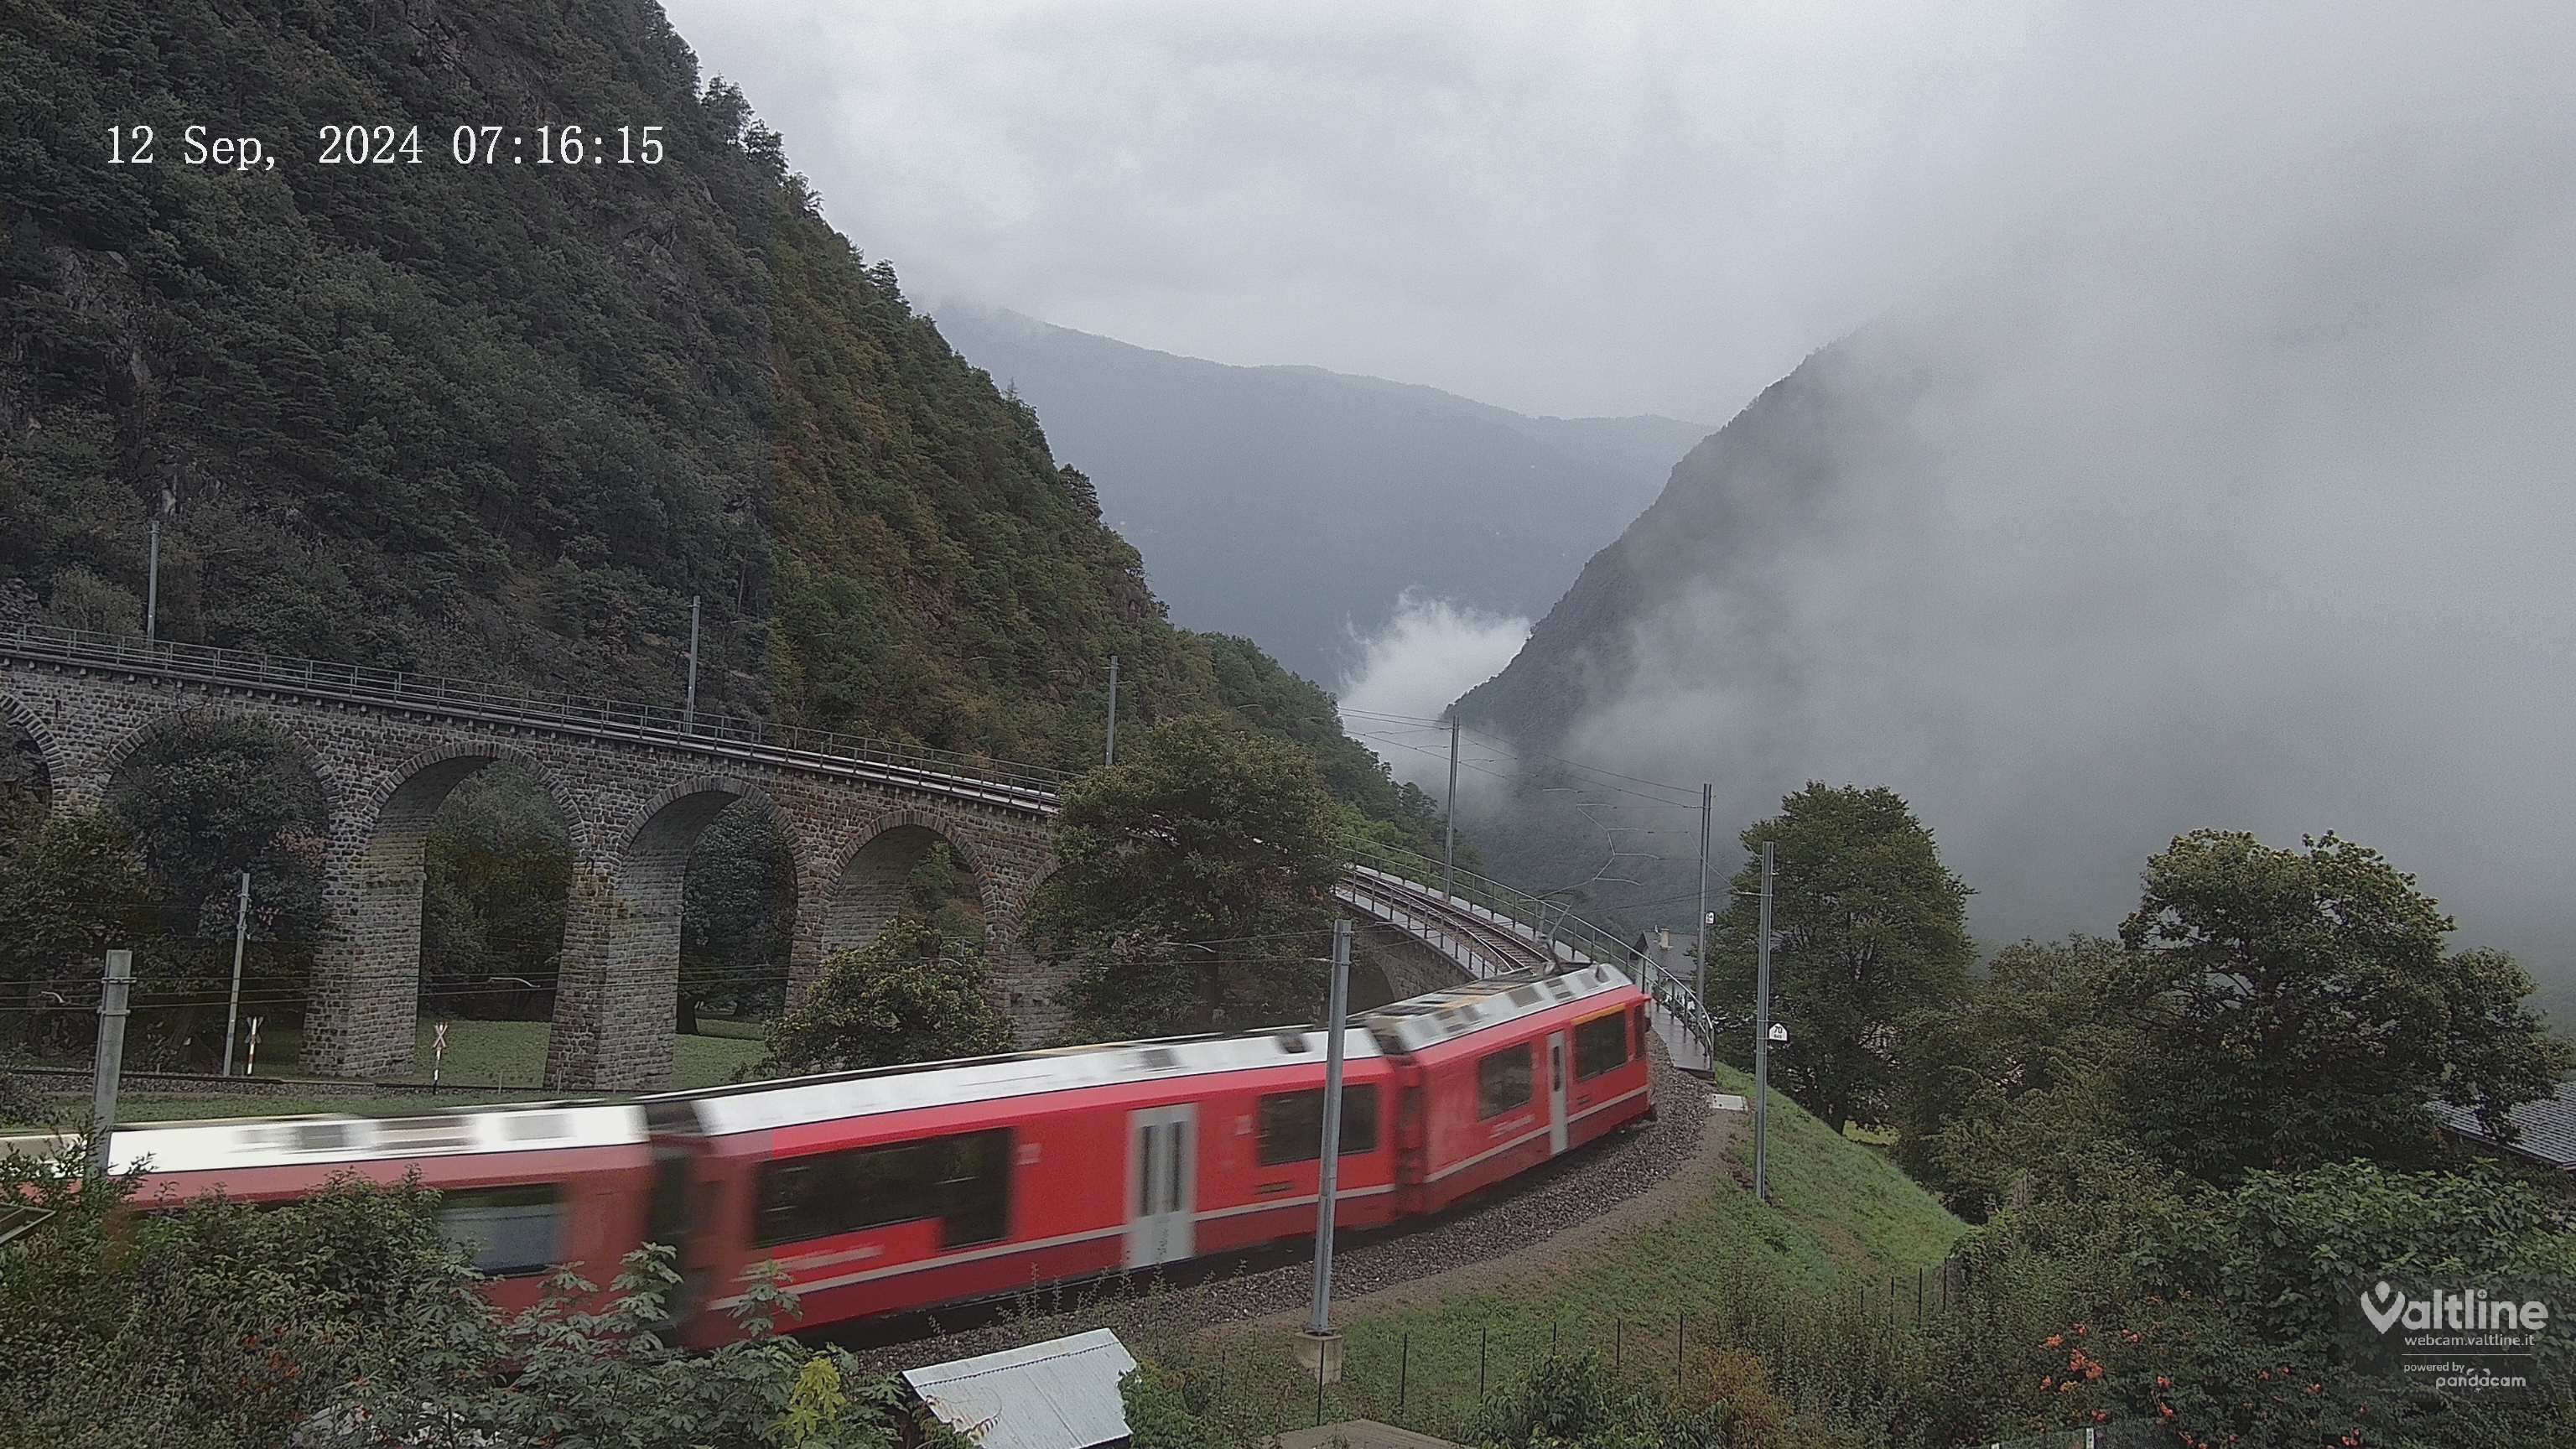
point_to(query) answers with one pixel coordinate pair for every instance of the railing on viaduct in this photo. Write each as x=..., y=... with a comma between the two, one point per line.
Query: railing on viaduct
x=1487, y=924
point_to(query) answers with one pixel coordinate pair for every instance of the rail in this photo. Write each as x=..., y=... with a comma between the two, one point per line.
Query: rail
x=1032, y=786
x=1560, y=936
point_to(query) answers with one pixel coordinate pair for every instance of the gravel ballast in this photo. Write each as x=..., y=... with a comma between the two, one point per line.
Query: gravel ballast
x=1549, y=1216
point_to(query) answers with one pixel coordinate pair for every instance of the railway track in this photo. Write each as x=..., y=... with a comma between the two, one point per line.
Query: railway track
x=58, y=1080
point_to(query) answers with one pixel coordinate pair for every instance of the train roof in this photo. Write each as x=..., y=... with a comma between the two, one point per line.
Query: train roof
x=330, y=1140
x=754, y=1106
x=1425, y=1021
x=1405, y=1026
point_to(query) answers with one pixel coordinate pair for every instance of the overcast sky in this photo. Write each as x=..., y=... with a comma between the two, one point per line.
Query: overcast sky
x=1577, y=209
x=2214, y=467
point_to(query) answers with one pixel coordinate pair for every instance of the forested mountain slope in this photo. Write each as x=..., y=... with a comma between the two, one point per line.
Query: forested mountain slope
x=1290, y=503
x=504, y=418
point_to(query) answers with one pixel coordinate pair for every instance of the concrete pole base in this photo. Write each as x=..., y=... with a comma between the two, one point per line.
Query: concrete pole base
x=1320, y=1353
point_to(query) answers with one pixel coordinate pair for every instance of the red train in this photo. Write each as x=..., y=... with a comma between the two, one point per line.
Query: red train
x=886, y=1191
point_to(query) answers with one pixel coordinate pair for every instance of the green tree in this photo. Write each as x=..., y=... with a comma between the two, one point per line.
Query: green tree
x=204, y=804
x=68, y=891
x=1196, y=883
x=1999, y=1093
x=2296, y=1007
x=2222, y=1315
x=1869, y=927
x=347, y=1321
x=499, y=863
x=738, y=906
x=903, y=997
x=212, y=800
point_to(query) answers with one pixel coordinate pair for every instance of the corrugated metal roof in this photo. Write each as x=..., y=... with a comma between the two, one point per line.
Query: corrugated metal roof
x=2547, y=1127
x=1061, y=1394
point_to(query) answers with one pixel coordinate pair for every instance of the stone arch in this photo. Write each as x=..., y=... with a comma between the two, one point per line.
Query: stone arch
x=864, y=889
x=1034, y=991
x=364, y=1016
x=619, y=989
x=1389, y=964
x=47, y=750
x=398, y=815
x=170, y=724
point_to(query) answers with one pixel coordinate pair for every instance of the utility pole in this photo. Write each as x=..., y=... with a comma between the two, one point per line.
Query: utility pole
x=1706, y=790
x=1762, y=1040
x=1110, y=755
x=1449, y=816
x=1320, y=1326
x=689, y=707
x=152, y=586
x=114, y=986
x=232, y=1004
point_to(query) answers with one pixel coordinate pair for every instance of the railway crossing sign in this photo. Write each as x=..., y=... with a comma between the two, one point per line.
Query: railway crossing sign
x=1779, y=1034
x=438, y=1052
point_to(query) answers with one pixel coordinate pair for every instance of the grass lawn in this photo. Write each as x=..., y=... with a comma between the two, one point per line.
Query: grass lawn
x=513, y=1054
x=483, y=1058
x=135, y=1107
x=1842, y=1216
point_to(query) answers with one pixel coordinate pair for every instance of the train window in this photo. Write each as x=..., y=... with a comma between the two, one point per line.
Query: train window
x=1601, y=1044
x=508, y=1232
x=963, y=1179
x=975, y=1196
x=671, y=1211
x=1503, y=1081
x=1292, y=1124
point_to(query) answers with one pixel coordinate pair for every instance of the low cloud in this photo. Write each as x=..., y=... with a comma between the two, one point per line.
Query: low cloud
x=2236, y=493
x=1428, y=652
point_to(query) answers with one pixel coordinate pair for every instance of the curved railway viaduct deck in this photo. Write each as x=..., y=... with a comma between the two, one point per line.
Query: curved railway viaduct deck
x=636, y=786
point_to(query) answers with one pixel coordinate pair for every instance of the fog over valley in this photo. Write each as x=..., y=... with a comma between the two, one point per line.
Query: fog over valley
x=2173, y=430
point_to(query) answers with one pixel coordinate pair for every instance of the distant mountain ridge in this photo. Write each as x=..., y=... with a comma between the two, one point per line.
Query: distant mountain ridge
x=1283, y=503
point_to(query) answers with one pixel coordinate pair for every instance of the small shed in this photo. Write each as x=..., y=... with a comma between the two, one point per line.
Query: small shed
x=1060, y=1394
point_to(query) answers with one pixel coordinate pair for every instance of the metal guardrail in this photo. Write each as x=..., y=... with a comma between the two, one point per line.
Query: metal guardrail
x=1032, y=786
x=1560, y=933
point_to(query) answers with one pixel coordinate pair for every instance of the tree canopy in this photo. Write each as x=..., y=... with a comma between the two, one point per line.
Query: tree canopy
x=1869, y=926
x=904, y=997
x=2298, y=1007
x=1196, y=880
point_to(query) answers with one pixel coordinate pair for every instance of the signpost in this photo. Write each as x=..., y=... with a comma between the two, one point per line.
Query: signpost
x=232, y=1004
x=1319, y=1327
x=114, y=984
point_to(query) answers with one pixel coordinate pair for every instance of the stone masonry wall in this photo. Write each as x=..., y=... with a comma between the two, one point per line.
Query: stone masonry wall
x=633, y=812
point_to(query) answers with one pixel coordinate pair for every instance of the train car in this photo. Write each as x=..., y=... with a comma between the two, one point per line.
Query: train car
x=523, y=1188
x=885, y=1191
x=881, y=1192
x=1509, y=1073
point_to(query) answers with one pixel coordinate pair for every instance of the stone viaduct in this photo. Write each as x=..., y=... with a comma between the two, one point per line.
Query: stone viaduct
x=635, y=787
